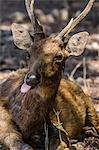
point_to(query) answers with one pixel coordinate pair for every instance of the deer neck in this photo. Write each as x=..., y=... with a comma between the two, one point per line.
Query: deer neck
x=49, y=87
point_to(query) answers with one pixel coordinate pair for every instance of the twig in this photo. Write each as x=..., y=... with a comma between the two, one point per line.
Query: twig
x=60, y=128
x=71, y=77
x=84, y=73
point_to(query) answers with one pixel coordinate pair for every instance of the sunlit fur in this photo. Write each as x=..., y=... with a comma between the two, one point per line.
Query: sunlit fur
x=77, y=110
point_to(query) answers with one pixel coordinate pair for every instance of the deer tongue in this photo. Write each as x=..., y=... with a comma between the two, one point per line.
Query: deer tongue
x=25, y=88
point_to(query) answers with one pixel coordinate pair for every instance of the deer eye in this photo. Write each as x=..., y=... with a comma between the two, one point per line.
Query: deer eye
x=58, y=57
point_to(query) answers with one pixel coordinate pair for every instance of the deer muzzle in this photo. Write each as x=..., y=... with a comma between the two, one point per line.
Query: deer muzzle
x=30, y=81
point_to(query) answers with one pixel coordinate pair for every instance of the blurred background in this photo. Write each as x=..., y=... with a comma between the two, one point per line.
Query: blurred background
x=53, y=15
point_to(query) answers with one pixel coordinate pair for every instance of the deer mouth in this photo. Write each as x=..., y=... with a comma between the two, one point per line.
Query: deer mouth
x=30, y=82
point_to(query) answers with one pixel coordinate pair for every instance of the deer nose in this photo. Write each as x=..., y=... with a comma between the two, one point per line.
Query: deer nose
x=32, y=79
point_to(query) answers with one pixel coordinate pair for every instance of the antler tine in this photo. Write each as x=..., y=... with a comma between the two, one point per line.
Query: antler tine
x=34, y=20
x=36, y=25
x=65, y=29
x=31, y=16
x=76, y=21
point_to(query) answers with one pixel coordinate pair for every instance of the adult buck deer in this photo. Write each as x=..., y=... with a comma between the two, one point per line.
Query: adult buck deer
x=28, y=95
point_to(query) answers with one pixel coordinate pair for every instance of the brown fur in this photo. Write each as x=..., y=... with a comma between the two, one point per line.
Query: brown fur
x=22, y=115
x=74, y=105
x=76, y=109
x=29, y=110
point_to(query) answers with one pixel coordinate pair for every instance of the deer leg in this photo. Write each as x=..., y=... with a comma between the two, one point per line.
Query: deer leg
x=90, y=131
x=9, y=136
x=92, y=119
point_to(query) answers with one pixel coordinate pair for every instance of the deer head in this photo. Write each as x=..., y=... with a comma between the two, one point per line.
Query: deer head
x=48, y=54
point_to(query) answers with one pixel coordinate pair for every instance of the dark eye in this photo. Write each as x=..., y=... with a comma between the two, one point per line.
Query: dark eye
x=58, y=57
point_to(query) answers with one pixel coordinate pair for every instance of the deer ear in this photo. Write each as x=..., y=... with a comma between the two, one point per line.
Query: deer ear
x=77, y=43
x=21, y=36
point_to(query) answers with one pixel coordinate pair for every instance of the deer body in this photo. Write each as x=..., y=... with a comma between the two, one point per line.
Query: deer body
x=75, y=107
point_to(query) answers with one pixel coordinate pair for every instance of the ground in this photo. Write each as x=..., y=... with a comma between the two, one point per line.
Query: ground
x=54, y=15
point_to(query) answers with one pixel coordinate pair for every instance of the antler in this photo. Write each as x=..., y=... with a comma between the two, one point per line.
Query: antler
x=76, y=21
x=37, y=28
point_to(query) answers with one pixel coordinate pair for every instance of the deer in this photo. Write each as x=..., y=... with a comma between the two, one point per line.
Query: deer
x=28, y=95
